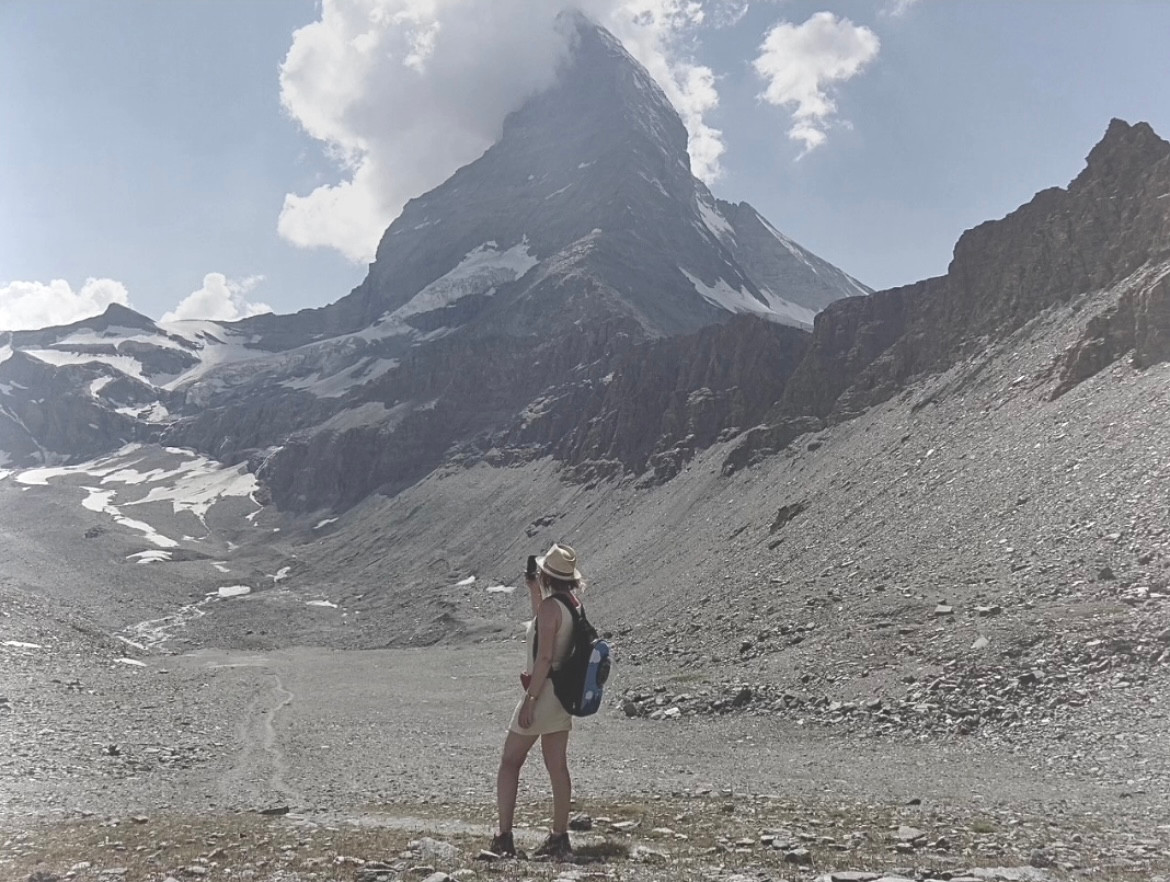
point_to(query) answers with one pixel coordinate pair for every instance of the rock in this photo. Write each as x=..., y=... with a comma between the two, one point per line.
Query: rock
x=943, y=610
x=433, y=849
x=645, y=855
x=981, y=643
x=437, y=877
x=367, y=874
x=852, y=876
x=43, y=876
x=1042, y=858
x=275, y=811
x=581, y=823
x=910, y=836
x=801, y=857
x=985, y=611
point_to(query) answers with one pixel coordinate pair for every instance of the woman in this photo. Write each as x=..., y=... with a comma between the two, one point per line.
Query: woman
x=539, y=713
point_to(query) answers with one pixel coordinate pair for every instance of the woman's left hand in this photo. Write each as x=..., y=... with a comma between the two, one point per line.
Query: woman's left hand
x=527, y=713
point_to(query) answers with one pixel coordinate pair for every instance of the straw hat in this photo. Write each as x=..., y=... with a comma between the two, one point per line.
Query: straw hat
x=560, y=562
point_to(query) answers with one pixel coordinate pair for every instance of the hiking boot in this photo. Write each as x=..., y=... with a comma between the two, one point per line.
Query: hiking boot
x=503, y=845
x=555, y=848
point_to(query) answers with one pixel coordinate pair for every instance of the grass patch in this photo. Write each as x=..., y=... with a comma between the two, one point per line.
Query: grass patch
x=601, y=852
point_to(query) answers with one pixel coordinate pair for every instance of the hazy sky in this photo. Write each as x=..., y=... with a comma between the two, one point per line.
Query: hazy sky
x=207, y=158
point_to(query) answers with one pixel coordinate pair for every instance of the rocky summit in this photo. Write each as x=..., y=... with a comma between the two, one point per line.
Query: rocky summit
x=557, y=260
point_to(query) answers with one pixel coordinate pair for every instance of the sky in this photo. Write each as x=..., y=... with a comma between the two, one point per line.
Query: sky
x=215, y=159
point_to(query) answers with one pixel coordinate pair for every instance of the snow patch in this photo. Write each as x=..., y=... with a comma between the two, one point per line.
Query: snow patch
x=715, y=222
x=233, y=591
x=99, y=384
x=336, y=385
x=132, y=367
x=324, y=523
x=17, y=644
x=194, y=485
x=776, y=308
x=153, y=556
x=501, y=589
x=156, y=412
x=130, y=661
x=204, y=484
x=321, y=603
x=482, y=270
x=462, y=583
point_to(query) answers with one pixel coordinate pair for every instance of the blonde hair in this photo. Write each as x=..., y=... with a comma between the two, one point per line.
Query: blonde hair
x=549, y=584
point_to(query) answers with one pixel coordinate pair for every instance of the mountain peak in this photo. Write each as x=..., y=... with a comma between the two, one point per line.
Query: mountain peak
x=1124, y=150
x=602, y=97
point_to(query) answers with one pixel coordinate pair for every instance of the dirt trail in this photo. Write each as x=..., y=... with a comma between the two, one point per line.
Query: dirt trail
x=257, y=776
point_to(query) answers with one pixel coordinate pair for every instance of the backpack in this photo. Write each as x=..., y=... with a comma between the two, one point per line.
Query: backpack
x=579, y=681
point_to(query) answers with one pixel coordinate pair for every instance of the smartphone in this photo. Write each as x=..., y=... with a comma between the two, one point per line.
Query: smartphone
x=531, y=568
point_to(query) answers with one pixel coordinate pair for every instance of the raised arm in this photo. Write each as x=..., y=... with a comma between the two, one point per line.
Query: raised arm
x=534, y=595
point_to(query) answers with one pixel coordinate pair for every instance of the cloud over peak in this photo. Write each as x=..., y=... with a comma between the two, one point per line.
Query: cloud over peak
x=220, y=299
x=33, y=305
x=403, y=92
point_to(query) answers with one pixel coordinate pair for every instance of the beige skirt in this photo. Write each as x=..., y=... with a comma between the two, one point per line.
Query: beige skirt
x=549, y=716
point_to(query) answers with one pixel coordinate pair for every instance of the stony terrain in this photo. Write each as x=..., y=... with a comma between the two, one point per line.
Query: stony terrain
x=930, y=641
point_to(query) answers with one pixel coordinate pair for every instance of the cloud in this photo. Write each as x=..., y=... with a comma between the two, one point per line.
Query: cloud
x=220, y=299
x=403, y=92
x=34, y=305
x=898, y=7
x=801, y=64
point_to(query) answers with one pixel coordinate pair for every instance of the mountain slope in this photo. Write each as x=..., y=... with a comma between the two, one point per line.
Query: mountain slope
x=553, y=261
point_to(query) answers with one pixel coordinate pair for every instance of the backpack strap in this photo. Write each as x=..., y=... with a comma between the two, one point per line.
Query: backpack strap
x=576, y=613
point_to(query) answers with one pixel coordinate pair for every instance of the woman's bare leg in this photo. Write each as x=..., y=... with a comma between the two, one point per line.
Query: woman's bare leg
x=555, y=747
x=516, y=749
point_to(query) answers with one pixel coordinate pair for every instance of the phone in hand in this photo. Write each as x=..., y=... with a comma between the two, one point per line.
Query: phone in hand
x=530, y=570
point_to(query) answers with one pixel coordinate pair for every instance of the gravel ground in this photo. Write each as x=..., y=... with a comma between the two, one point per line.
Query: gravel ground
x=949, y=614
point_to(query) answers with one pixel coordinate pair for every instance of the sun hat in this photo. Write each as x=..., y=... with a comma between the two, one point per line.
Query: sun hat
x=560, y=562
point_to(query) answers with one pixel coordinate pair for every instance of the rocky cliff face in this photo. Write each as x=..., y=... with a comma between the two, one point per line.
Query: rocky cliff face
x=1110, y=225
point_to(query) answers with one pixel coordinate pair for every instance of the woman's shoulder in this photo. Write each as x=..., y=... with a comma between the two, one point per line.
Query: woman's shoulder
x=560, y=602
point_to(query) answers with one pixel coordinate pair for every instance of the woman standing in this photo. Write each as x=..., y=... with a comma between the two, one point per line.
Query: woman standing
x=539, y=713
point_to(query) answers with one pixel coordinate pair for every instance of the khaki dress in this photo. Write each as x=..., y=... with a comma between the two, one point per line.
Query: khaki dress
x=549, y=714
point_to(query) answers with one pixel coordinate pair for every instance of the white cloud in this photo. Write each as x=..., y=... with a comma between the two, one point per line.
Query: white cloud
x=403, y=92
x=898, y=7
x=33, y=305
x=801, y=64
x=220, y=299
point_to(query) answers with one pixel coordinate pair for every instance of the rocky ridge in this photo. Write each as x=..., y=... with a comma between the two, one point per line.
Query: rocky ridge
x=1109, y=228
